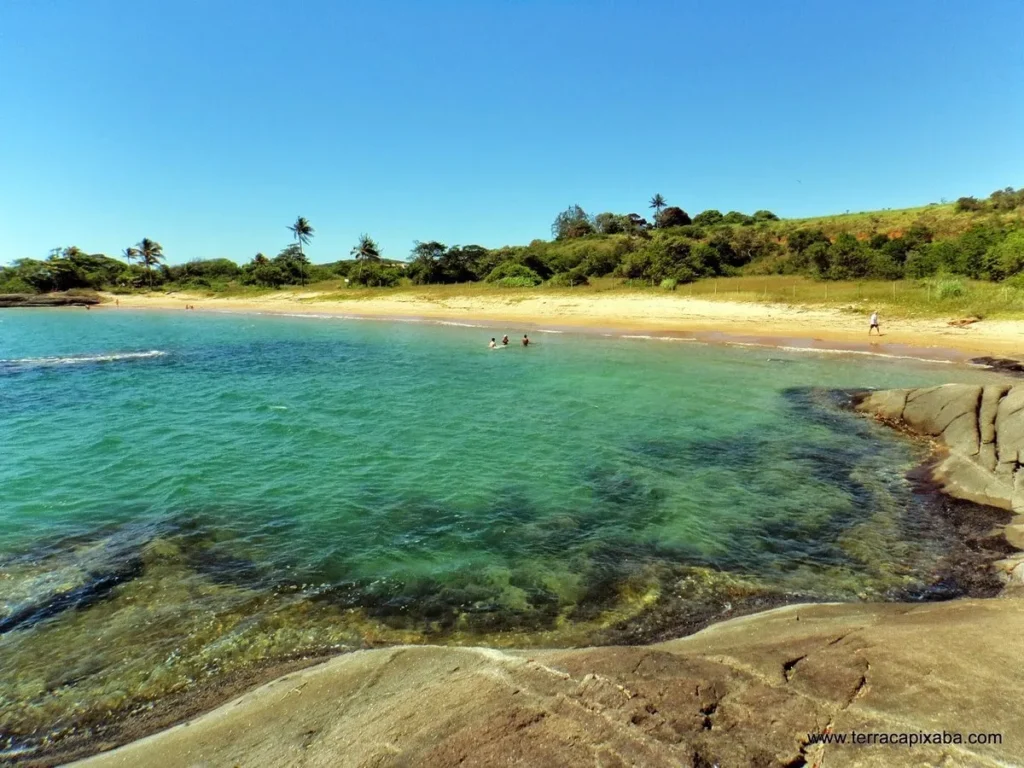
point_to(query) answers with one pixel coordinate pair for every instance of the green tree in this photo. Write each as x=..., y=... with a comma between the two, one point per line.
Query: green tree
x=609, y=224
x=673, y=216
x=849, y=258
x=968, y=204
x=657, y=203
x=1006, y=259
x=708, y=218
x=366, y=249
x=735, y=217
x=425, y=266
x=572, y=222
x=303, y=232
x=150, y=254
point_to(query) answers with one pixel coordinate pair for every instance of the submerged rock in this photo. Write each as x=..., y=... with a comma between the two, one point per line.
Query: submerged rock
x=37, y=587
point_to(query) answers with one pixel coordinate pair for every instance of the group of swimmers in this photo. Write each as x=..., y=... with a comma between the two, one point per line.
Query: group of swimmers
x=504, y=342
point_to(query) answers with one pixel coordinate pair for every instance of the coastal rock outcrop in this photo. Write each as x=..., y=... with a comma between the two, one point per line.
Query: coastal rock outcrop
x=45, y=300
x=981, y=429
x=980, y=432
x=753, y=691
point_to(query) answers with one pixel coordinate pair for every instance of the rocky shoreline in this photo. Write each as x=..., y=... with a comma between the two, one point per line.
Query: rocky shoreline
x=749, y=691
x=9, y=300
x=978, y=433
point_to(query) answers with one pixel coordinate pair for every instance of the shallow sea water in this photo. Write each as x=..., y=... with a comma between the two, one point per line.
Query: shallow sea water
x=185, y=496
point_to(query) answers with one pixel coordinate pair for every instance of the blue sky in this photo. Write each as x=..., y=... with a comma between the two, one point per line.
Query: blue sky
x=209, y=125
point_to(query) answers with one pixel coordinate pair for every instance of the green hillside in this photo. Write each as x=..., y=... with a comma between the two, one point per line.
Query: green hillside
x=972, y=238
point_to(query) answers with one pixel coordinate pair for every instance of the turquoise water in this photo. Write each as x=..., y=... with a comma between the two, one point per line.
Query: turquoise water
x=253, y=488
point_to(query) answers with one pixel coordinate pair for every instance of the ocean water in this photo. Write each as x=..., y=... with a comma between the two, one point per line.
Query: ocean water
x=187, y=496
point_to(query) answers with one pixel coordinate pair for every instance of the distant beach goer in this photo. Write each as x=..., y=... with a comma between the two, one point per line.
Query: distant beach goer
x=117, y=302
x=526, y=340
x=504, y=340
x=492, y=345
x=874, y=324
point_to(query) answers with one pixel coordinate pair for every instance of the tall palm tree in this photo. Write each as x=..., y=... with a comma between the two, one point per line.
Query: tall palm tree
x=150, y=253
x=130, y=254
x=303, y=232
x=366, y=249
x=657, y=203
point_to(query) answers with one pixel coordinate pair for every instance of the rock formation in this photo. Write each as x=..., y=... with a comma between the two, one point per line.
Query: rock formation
x=746, y=692
x=980, y=436
x=45, y=300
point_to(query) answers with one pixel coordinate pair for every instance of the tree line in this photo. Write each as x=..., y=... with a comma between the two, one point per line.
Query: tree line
x=668, y=249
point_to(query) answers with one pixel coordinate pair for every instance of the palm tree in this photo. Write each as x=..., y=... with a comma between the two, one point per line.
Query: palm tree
x=150, y=253
x=657, y=203
x=303, y=232
x=130, y=254
x=366, y=249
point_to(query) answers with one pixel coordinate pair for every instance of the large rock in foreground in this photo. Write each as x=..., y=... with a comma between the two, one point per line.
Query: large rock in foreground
x=746, y=692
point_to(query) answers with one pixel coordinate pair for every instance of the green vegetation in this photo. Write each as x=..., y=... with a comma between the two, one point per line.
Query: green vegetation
x=962, y=243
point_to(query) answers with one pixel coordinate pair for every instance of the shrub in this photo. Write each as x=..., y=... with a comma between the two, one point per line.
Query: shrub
x=949, y=287
x=921, y=263
x=510, y=270
x=570, y=279
x=1006, y=258
x=373, y=274
x=968, y=204
x=669, y=284
x=708, y=218
x=517, y=282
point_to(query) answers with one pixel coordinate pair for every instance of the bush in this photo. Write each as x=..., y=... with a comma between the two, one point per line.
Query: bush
x=570, y=279
x=1006, y=258
x=374, y=274
x=517, y=282
x=708, y=218
x=520, y=274
x=968, y=204
x=922, y=263
x=949, y=288
x=669, y=284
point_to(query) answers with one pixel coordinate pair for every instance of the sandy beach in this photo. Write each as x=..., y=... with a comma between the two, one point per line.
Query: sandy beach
x=707, y=320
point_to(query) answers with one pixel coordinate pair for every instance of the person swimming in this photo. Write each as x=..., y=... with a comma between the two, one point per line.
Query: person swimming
x=504, y=340
x=492, y=345
x=526, y=340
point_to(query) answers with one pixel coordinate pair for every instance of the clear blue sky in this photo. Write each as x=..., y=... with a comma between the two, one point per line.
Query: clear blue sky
x=209, y=125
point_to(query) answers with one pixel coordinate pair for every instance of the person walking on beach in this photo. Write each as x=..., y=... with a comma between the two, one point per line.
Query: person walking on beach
x=874, y=324
x=526, y=340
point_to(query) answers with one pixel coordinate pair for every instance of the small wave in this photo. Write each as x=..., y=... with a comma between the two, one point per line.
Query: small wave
x=830, y=351
x=548, y=330
x=657, y=338
x=460, y=325
x=37, y=362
